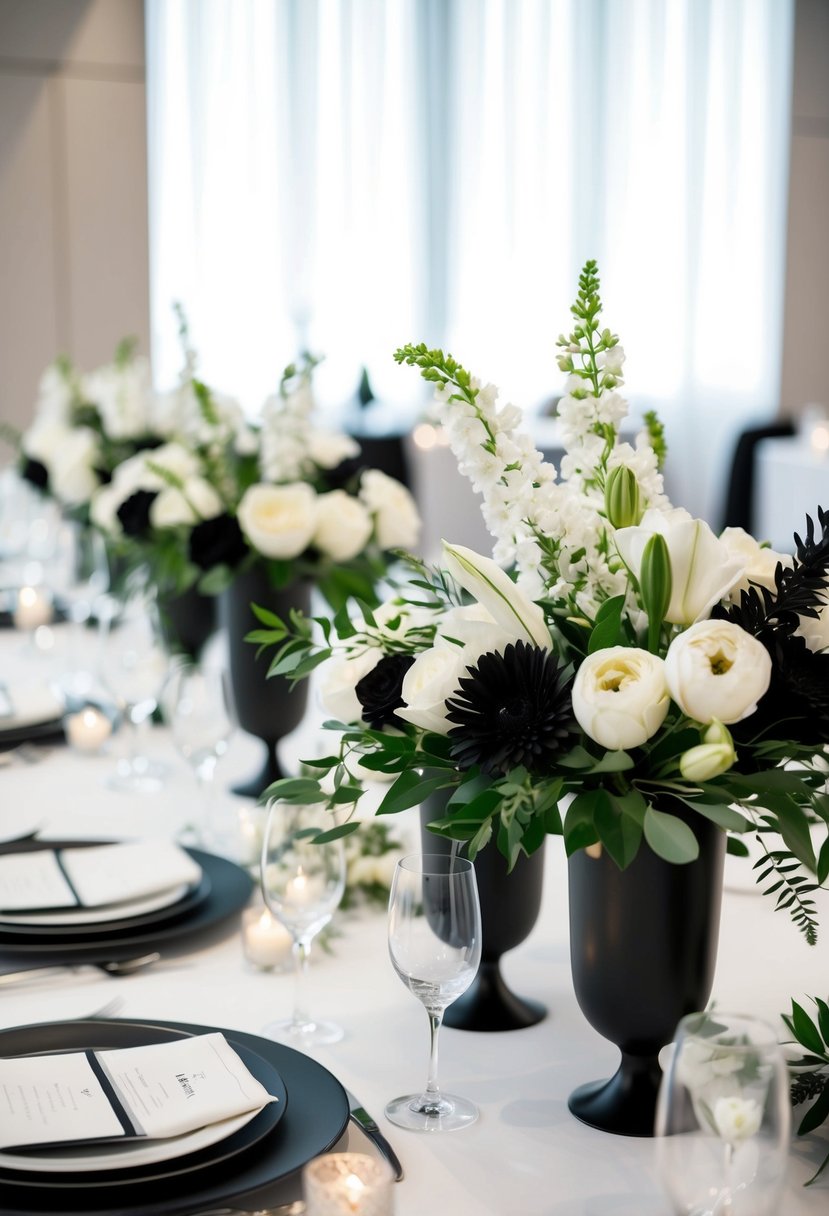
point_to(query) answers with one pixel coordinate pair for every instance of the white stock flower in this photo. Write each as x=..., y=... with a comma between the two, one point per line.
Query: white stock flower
x=620, y=696
x=396, y=518
x=717, y=670
x=279, y=521
x=492, y=587
x=343, y=525
x=122, y=394
x=54, y=396
x=339, y=679
x=327, y=449
x=760, y=562
x=72, y=475
x=737, y=1119
x=702, y=569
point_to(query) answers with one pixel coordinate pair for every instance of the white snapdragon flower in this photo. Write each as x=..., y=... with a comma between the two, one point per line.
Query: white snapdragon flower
x=717, y=671
x=122, y=394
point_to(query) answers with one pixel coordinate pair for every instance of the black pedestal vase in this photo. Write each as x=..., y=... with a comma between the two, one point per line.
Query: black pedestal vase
x=643, y=945
x=510, y=903
x=267, y=708
x=187, y=620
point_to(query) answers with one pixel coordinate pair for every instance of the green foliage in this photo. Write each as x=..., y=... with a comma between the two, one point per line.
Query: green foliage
x=810, y=1073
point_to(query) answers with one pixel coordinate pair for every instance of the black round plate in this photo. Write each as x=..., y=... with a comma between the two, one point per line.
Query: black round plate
x=101, y=1035
x=34, y=732
x=230, y=888
x=316, y=1117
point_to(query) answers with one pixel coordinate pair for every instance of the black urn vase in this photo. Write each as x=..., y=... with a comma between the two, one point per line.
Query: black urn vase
x=187, y=620
x=266, y=708
x=643, y=946
x=510, y=903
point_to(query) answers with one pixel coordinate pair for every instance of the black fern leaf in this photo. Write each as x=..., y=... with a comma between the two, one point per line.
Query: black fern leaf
x=792, y=888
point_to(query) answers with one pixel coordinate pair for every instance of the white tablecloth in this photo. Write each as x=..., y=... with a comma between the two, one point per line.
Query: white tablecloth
x=527, y=1155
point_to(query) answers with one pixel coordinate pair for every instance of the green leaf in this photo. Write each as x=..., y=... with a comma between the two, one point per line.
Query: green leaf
x=409, y=789
x=294, y=789
x=823, y=862
x=269, y=618
x=820, y=1170
x=724, y=816
x=337, y=833
x=736, y=847
x=579, y=828
x=325, y=762
x=815, y=1115
x=823, y=1019
x=669, y=837
x=806, y=1032
x=619, y=833
x=605, y=631
x=779, y=780
x=480, y=840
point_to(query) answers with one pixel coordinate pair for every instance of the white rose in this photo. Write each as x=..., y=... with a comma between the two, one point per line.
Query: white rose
x=339, y=679
x=103, y=509
x=717, y=670
x=396, y=518
x=279, y=521
x=173, y=458
x=703, y=570
x=737, y=1119
x=493, y=588
x=620, y=696
x=343, y=525
x=760, y=562
x=432, y=678
x=327, y=449
x=195, y=501
x=72, y=474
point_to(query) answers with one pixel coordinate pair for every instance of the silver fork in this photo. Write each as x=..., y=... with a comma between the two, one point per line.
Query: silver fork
x=105, y=1011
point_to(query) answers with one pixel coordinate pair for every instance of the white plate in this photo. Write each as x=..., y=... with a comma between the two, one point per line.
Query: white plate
x=95, y=1157
x=99, y=916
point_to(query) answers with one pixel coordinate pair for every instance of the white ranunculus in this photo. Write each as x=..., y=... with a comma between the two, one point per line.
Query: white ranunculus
x=737, y=1119
x=703, y=570
x=432, y=678
x=339, y=678
x=343, y=525
x=491, y=586
x=279, y=521
x=717, y=670
x=760, y=562
x=620, y=696
x=396, y=518
x=327, y=449
x=196, y=500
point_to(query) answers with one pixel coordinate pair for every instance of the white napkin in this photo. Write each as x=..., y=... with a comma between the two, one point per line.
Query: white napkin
x=162, y=1090
x=30, y=706
x=101, y=875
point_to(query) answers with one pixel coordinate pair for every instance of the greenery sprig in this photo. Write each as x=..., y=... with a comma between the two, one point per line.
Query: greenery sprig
x=810, y=1073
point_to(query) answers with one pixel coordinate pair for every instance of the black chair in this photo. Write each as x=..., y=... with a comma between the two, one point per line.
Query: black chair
x=739, y=501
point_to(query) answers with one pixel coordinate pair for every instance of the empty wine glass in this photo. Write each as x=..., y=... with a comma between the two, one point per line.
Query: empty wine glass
x=134, y=666
x=199, y=706
x=435, y=946
x=302, y=884
x=723, y=1116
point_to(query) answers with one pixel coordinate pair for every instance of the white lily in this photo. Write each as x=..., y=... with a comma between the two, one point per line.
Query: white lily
x=493, y=588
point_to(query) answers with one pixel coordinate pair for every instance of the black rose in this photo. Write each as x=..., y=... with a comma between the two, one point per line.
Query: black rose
x=217, y=542
x=35, y=472
x=134, y=512
x=379, y=692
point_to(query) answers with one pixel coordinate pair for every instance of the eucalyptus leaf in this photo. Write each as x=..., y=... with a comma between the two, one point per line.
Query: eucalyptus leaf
x=669, y=837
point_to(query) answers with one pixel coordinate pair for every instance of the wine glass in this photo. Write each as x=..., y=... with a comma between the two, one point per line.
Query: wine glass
x=723, y=1116
x=134, y=667
x=302, y=884
x=435, y=946
x=200, y=710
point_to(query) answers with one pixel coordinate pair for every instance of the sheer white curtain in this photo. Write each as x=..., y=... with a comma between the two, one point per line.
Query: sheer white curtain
x=352, y=174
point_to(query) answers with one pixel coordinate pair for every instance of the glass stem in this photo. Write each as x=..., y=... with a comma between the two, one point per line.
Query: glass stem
x=727, y=1208
x=300, y=951
x=435, y=1020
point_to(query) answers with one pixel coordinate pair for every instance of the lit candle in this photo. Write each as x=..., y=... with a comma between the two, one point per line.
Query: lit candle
x=88, y=729
x=250, y=835
x=33, y=608
x=345, y=1184
x=265, y=942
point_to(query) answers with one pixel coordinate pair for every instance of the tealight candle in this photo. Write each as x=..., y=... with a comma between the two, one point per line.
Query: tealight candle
x=345, y=1184
x=265, y=942
x=33, y=608
x=88, y=729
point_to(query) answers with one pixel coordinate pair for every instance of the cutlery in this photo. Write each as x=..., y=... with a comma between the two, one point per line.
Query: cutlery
x=116, y=967
x=360, y=1116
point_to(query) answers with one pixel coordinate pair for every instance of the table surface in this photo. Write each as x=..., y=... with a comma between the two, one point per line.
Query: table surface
x=526, y=1154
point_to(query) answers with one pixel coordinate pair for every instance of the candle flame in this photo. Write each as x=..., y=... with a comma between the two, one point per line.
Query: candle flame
x=354, y=1186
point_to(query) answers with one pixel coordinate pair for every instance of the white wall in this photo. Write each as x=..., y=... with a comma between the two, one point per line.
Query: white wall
x=73, y=187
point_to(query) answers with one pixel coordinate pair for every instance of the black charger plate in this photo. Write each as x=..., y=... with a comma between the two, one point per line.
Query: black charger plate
x=316, y=1117
x=230, y=888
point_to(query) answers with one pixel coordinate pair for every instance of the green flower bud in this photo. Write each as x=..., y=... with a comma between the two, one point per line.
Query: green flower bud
x=706, y=761
x=655, y=581
x=622, y=499
x=717, y=732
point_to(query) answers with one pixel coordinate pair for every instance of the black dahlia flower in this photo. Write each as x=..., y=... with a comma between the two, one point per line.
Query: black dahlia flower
x=513, y=708
x=217, y=542
x=379, y=692
x=134, y=512
x=35, y=472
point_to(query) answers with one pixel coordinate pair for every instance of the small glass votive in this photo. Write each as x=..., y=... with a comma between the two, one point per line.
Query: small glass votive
x=347, y=1184
x=266, y=944
x=33, y=608
x=87, y=728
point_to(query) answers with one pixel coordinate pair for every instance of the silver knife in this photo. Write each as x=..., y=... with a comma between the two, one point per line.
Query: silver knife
x=359, y=1115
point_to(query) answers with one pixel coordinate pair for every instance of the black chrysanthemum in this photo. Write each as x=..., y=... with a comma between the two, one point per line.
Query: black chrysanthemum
x=134, y=512
x=514, y=708
x=35, y=472
x=217, y=542
x=379, y=692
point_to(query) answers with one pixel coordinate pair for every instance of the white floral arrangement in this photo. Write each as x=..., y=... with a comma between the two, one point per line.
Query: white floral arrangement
x=631, y=675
